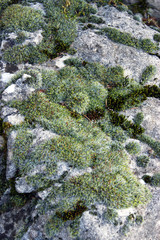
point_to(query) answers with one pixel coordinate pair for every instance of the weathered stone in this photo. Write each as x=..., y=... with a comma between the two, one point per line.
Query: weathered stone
x=11, y=167
x=14, y=92
x=5, y=78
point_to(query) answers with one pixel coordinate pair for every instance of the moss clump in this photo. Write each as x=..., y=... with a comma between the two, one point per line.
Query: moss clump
x=22, y=54
x=155, y=181
x=155, y=145
x=70, y=88
x=133, y=148
x=138, y=119
x=148, y=74
x=125, y=38
x=110, y=215
x=123, y=98
x=4, y=4
x=156, y=37
x=95, y=19
x=18, y=17
x=58, y=34
x=142, y=161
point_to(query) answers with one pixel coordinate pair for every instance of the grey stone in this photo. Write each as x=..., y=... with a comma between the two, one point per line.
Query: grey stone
x=11, y=116
x=11, y=167
x=154, y=4
x=14, y=92
x=23, y=187
x=5, y=78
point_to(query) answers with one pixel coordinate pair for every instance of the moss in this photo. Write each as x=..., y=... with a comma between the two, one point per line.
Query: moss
x=156, y=37
x=133, y=130
x=18, y=17
x=138, y=119
x=123, y=98
x=91, y=26
x=126, y=38
x=155, y=145
x=142, y=161
x=76, y=93
x=110, y=215
x=133, y=148
x=22, y=54
x=95, y=19
x=139, y=220
x=148, y=74
x=155, y=181
x=4, y=4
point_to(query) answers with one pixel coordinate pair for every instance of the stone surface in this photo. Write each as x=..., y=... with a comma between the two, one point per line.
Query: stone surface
x=11, y=167
x=15, y=92
x=101, y=49
x=5, y=78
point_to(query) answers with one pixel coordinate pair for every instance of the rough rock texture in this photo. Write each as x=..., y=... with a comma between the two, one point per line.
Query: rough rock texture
x=98, y=48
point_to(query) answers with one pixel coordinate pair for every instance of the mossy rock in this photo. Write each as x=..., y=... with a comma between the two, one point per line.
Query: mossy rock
x=19, y=17
x=126, y=38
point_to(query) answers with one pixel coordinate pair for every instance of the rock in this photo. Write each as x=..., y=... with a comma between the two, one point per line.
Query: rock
x=14, y=119
x=23, y=187
x=14, y=92
x=154, y=4
x=7, y=44
x=98, y=47
x=33, y=38
x=5, y=78
x=11, y=167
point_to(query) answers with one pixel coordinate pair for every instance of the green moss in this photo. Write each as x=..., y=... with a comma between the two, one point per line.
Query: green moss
x=4, y=4
x=139, y=220
x=148, y=74
x=138, y=119
x=70, y=88
x=133, y=148
x=95, y=19
x=155, y=181
x=156, y=37
x=155, y=145
x=126, y=38
x=142, y=161
x=123, y=98
x=22, y=54
x=110, y=215
x=18, y=17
